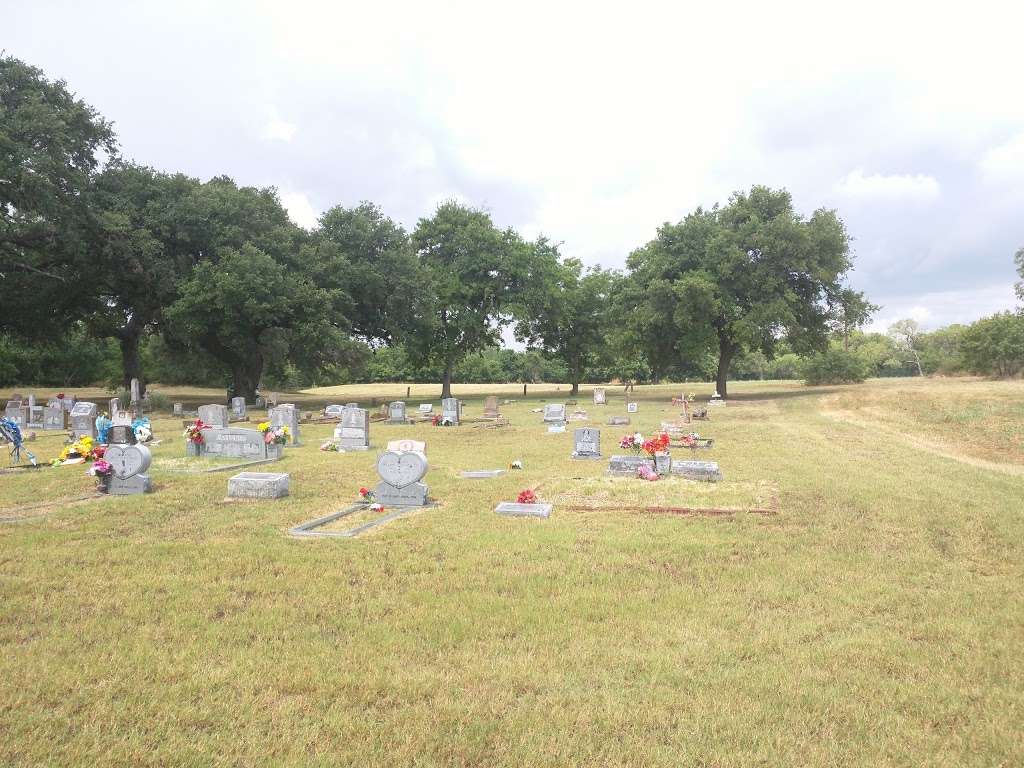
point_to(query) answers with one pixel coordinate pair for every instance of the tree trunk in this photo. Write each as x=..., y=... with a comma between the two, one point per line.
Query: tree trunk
x=575, y=388
x=131, y=360
x=246, y=378
x=446, y=382
x=725, y=354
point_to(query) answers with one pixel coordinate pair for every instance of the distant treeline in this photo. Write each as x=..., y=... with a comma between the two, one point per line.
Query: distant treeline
x=111, y=270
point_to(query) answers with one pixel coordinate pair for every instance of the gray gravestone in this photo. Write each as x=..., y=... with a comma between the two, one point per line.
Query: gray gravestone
x=53, y=416
x=451, y=409
x=35, y=417
x=215, y=415
x=400, y=473
x=128, y=465
x=179, y=409
x=554, y=412
x=706, y=471
x=238, y=443
x=238, y=407
x=426, y=409
x=353, y=433
x=396, y=412
x=135, y=398
x=258, y=485
x=83, y=420
x=556, y=427
x=599, y=397
x=287, y=415
x=491, y=408
x=618, y=421
x=122, y=434
x=333, y=411
x=587, y=443
x=17, y=413
x=628, y=465
x=511, y=509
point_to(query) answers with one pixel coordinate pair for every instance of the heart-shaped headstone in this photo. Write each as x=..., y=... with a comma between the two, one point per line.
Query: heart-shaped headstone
x=128, y=460
x=401, y=468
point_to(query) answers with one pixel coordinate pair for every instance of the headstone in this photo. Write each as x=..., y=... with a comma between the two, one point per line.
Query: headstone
x=238, y=407
x=618, y=421
x=128, y=465
x=632, y=407
x=400, y=473
x=333, y=411
x=396, y=412
x=353, y=433
x=69, y=403
x=258, y=485
x=53, y=416
x=554, y=412
x=17, y=413
x=215, y=415
x=587, y=443
x=179, y=409
x=135, y=397
x=706, y=471
x=122, y=435
x=407, y=445
x=716, y=400
x=491, y=408
x=599, y=396
x=511, y=509
x=578, y=416
x=286, y=415
x=31, y=400
x=451, y=409
x=628, y=465
x=238, y=443
x=35, y=417
x=83, y=420
x=272, y=399
x=426, y=409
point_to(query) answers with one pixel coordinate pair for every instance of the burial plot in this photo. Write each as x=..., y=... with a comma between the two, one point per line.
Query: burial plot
x=353, y=433
x=400, y=473
x=287, y=415
x=83, y=420
x=258, y=485
x=587, y=443
x=128, y=464
x=491, y=408
x=599, y=396
x=451, y=410
x=396, y=413
x=214, y=415
x=238, y=407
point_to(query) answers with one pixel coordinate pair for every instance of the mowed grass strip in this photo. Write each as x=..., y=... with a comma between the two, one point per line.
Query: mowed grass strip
x=876, y=619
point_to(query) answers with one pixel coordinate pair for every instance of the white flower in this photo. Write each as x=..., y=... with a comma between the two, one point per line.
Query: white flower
x=638, y=438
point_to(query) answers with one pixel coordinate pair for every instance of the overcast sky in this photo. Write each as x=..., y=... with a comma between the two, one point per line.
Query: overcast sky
x=589, y=123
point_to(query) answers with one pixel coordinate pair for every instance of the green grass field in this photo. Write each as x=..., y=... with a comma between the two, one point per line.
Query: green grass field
x=876, y=618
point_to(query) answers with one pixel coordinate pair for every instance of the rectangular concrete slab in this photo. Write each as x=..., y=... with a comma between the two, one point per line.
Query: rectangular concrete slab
x=511, y=509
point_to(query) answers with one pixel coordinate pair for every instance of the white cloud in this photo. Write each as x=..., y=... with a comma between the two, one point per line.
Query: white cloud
x=918, y=188
x=277, y=129
x=300, y=210
x=941, y=308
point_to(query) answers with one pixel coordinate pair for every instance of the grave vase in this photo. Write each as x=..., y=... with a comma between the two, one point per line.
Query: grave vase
x=274, y=451
x=662, y=463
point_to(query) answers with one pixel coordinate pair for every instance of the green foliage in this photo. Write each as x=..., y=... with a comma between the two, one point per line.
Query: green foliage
x=71, y=358
x=835, y=366
x=994, y=346
x=158, y=401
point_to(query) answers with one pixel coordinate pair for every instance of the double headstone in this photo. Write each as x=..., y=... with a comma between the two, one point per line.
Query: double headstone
x=353, y=433
x=128, y=464
x=400, y=473
x=287, y=415
x=238, y=407
x=215, y=415
x=238, y=443
x=83, y=420
x=396, y=412
x=587, y=443
x=451, y=409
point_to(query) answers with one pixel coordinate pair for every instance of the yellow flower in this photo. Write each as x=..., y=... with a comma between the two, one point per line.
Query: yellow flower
x=284, y=430
x=263, y=426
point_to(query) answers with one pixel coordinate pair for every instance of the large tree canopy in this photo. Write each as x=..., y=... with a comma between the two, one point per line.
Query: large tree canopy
x=51, y=146
x=744, y=276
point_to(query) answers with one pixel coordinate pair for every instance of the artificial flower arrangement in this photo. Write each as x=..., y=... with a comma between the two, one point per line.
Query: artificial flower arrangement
x=657, y=445
x=646, y=472
x=143, y=429
x=274, y=435
x=527, y=497
x=440, y=421
x=103, y=427
x=367, y=495
x=330, y=445
x=632, y=442
x=690, y=440
x=194, y=432
x=517, y=464
x=102, y=471
x=83, y=449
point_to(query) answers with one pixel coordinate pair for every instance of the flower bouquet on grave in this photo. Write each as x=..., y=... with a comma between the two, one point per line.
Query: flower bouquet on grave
x=82, y=450
x=274, y=435
x=440, y=421
x=330, y=445
x=646, y=472
x=657, y=445
x=527, y=497
x=366, y=495
x=194, y=432
x=102, y=471
x=632, y=443
x=143, y=429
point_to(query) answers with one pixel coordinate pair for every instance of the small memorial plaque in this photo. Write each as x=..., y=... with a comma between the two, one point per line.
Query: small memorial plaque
x=511, y=509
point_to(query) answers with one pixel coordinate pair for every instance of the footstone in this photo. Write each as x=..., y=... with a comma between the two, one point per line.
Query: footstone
x=258, y=485
x=511, y=509
x=557, y=427
x=618, y=421
x=481, y=474
x=697, y=470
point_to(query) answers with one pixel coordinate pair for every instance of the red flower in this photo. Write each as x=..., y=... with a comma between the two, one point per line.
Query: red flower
x=363, y=491
x=527, y=497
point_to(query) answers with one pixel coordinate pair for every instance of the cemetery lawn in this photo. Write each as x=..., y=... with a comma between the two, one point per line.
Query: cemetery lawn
x=876, y=618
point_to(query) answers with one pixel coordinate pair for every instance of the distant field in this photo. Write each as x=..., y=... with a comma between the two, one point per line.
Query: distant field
x=874, y=619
